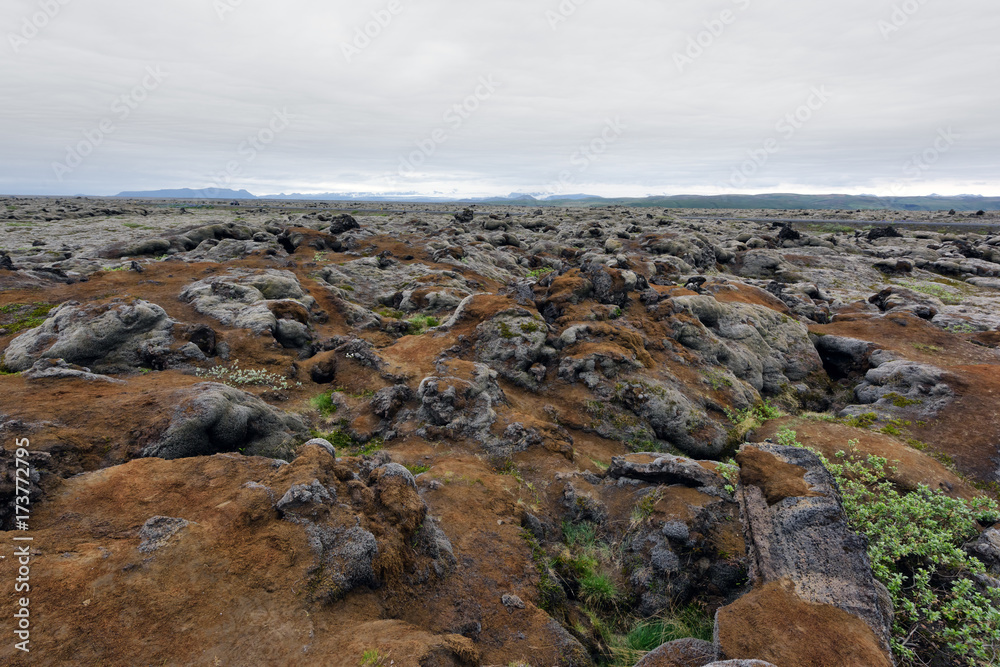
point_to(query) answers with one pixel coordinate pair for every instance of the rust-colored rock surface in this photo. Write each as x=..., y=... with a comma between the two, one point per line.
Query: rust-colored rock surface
x=296, y=433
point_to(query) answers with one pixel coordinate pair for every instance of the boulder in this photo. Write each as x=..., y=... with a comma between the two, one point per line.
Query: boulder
x=387, y=402
x=211, y=418
x=342, y=223
x=987, y=549
x=898, y=386
x=461, y=398
x=270, y=301
x=765, y=348
x=112, y=337
x=688, y=652
x=511, y=342
x=776, y=624
x=135, y=248
x=762, y=264
x=844, y=357
x=344, y=560
x=673, y=417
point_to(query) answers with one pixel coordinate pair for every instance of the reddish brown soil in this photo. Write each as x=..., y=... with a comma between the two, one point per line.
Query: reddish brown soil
x=773, y=624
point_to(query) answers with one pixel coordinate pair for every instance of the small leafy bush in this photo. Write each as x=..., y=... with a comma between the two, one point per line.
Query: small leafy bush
x=730, y=472
x=421, y=323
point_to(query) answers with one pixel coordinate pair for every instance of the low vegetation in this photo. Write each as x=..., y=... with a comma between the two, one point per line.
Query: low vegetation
x=324, y=404
x=235, y=376
x=372, y=658
x=422, y=323
x=646, y=635
x=18, y=317
x=344, y=443
x=746, y=420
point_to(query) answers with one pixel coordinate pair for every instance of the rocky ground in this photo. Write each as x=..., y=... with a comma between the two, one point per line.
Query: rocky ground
x=427, y=435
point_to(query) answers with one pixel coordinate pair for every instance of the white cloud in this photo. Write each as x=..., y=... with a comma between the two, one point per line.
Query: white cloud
x=352, y=121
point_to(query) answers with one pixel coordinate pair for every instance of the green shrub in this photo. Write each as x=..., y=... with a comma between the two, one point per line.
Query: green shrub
x=579, y=534
x=730, y=472
x=339, y=439
x=421, y=323
x=343, y=442
x=550, y=592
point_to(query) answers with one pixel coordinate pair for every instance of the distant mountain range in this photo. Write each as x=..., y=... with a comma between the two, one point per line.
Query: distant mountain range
x=188, y=193
x=767, y=201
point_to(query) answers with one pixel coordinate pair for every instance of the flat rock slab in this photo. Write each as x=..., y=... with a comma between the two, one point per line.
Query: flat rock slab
x=663, y=469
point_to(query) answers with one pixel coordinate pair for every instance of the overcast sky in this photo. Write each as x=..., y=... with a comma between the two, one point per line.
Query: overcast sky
x=630, y=97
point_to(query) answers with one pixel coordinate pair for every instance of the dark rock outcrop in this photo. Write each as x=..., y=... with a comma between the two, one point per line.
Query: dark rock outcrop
x=211, y=418
x=808, y=568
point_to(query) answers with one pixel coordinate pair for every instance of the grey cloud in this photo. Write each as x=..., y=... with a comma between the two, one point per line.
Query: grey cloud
x=895, y=78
